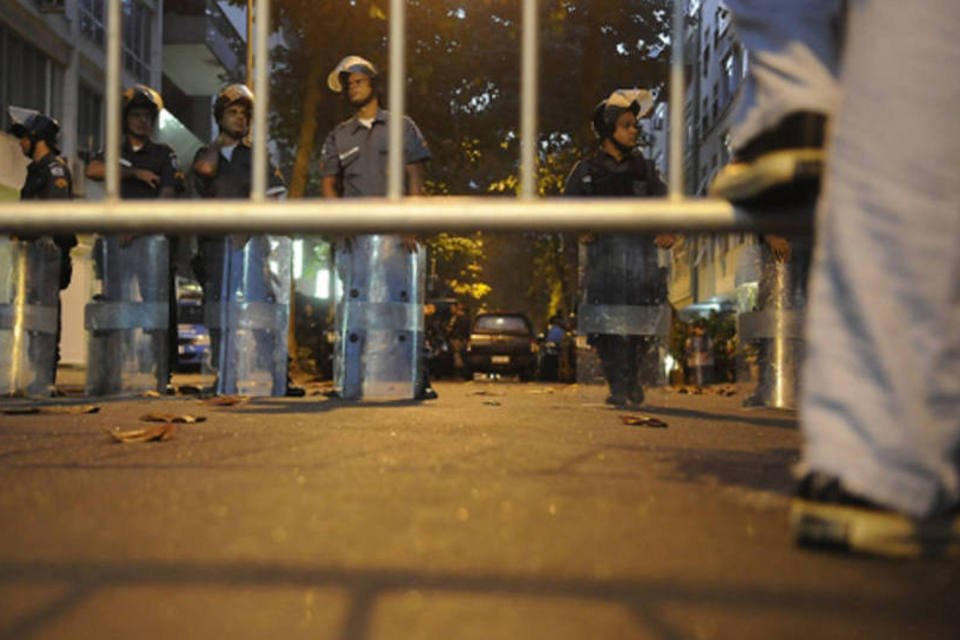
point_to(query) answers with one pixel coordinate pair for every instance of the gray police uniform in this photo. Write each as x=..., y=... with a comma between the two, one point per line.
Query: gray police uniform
x=380, y=324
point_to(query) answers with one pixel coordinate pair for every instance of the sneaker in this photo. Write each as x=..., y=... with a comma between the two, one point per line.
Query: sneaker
x=427, y=393
x=824, y=514
x=782, y=165
x=294, y=391
x=616, y=400
x=636, y=396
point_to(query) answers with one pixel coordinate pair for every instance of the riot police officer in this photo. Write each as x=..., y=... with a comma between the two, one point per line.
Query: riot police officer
x=624, y=290
x=246, y=279
x=133, y=318
x=46, y=259
x=380, y=323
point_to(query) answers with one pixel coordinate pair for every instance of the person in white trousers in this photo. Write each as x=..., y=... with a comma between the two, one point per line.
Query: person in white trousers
x=880, y=392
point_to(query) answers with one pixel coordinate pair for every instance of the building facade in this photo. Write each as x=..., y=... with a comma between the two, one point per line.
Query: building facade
x=704, y=270
x=52, y=58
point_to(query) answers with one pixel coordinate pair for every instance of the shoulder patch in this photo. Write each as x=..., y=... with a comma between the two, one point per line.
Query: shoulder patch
x=61, y=183
x=57, y=170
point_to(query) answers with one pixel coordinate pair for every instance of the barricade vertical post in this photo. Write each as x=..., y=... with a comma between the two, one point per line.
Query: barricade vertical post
x=396, y=99
x=528, y=101
x=261, y=71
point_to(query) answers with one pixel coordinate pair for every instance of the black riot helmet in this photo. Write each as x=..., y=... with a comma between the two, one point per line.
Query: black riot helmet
x=605, y=114
x=142, y=96
x=337, y=79
x=229, y=95
x=35, y=126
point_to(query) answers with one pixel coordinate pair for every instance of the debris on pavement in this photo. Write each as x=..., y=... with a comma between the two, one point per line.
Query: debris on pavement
x=158, y=433
x=189, y=390
x=638, y=420
x=150, y=393
x=487, y=392
x=56, y=409
x=173, y=418
x=225, y=401
x=491, y=403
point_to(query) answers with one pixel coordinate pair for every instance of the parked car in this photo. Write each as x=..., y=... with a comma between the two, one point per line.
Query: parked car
x=502, y=343
x=193, y=339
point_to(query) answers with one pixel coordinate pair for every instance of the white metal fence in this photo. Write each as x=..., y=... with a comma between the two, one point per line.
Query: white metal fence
x=394, y=212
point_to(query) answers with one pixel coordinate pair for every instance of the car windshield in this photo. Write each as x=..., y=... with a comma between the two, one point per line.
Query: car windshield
x=501, y=324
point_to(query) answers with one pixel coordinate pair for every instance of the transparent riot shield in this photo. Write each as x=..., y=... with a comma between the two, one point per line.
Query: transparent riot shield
x=128, y=318
x=29, y=305
x=379, y=319
x=775, y=325
x=622, y=318
x=246, y=292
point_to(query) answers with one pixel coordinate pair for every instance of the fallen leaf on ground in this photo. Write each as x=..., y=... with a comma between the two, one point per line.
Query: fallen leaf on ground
x=19, y=411
x=486, y=392
x=150, y=393
x=189, y=390
x=545, y=390
x=70, y=409
x=57, y=409
x=158, y=433
x=170, y=417
x=642, y=421
x=225, y=401
x=725, y=391
x=491, y=403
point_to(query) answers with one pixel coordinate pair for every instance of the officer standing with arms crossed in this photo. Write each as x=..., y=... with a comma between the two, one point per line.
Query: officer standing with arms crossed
x=246, y=280
x=380, y=323
x=148, y=170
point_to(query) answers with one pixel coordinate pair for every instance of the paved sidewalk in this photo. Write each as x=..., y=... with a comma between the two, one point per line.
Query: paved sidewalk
x=501, y=510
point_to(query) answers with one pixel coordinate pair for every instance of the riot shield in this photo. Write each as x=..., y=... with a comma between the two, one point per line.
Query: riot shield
x=29, y=306
x=622, y=317
x=775, y=325
x=379, y=319
x=128, y=318
x=246, y=293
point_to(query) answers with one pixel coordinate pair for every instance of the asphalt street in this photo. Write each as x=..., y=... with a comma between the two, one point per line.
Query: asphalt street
x=500, y=510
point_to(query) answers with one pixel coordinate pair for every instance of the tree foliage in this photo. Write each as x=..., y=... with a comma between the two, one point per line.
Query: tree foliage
x=463, y=87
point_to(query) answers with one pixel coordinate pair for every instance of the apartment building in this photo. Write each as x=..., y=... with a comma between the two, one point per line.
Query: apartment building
x=707, y=271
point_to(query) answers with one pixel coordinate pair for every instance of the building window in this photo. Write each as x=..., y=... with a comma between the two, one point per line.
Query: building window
x=137, y=20
x=30, y=79
x=89, y=119
x=730, y=77
x=92, y=20
x=136, y=39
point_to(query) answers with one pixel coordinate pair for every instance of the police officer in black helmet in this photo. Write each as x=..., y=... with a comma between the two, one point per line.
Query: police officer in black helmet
x=139, y=270
x=623, y=283
x=48, y=178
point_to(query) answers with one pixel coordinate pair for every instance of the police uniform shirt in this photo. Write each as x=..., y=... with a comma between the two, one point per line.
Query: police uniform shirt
x=233, y=177
x=357, y=154
x=49, y=179
x=152, y=156
x=623, y=267
x=605, y=176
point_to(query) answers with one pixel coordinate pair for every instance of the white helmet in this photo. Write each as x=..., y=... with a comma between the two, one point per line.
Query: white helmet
x=350, y=64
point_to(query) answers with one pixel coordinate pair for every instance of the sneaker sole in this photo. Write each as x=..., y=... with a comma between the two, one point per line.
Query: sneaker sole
x=879, y=533
x=740, y=182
